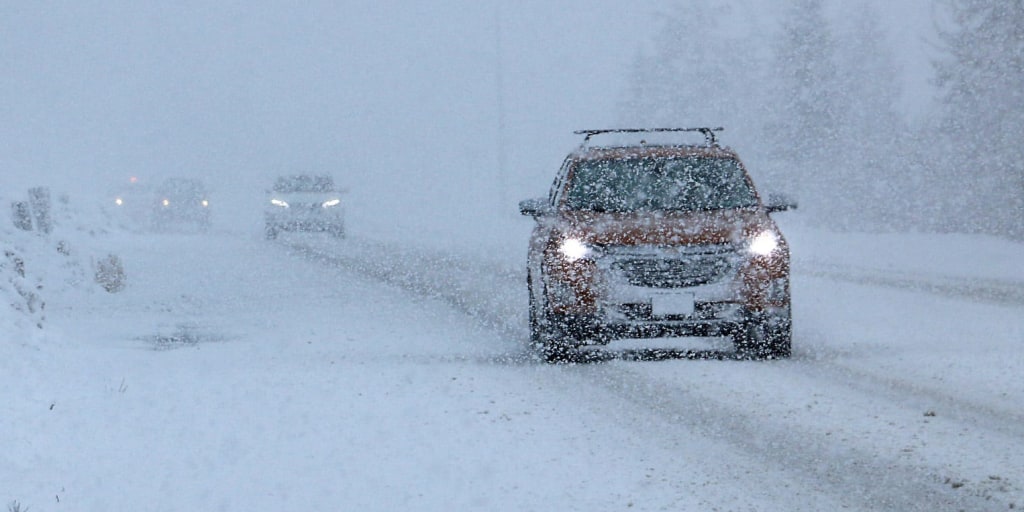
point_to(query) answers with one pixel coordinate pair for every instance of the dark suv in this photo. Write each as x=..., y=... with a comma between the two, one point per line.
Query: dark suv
x=181, y=202
x=643, y=240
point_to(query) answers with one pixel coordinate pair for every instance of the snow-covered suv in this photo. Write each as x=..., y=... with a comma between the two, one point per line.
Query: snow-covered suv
x=643, y=240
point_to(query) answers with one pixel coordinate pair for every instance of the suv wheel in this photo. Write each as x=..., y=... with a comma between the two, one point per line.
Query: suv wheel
x=765, y=337
x=546, y=336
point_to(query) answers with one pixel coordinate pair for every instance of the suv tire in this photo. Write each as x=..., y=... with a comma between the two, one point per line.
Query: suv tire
x=764, y=337
x=545, y=334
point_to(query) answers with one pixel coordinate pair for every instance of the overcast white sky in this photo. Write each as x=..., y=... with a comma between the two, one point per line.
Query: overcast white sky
x=399, y=99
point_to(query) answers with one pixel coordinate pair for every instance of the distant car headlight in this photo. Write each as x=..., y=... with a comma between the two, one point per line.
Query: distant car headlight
x=332, y=202
x=166, y=202
x=205, y=203
x=278, y=202
x=119, y=201
x=764, y=243
x=574, y=249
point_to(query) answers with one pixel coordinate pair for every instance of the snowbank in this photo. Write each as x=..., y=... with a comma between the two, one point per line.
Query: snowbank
x=48, y=246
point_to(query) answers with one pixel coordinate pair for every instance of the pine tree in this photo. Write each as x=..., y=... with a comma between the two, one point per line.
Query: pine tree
x=982, y=81
x=810, y=105
x=874, y=169
x=690, y=77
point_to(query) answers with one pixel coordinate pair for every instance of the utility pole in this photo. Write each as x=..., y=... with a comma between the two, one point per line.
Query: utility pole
x=499, y=80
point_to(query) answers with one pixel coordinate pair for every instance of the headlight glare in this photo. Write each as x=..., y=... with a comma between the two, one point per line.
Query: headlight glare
x=330, y=203
x=764, y=243
x=278, y=202
x=574, y=249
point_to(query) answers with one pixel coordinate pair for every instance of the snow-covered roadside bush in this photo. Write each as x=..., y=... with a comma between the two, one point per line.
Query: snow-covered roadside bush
x=109, y=273
x=46, y=247
x=20, y=291
x=23, y=306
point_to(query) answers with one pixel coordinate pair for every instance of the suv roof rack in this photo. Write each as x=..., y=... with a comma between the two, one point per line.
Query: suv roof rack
x=709, y=133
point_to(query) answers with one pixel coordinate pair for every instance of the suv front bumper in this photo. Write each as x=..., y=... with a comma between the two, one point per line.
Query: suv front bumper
x=700, y=291
x=728, y=320
x=635, y=321
x=288, y=221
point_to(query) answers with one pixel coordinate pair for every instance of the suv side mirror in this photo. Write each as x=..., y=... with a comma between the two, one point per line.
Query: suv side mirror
x=780, y=203
x=536, y=207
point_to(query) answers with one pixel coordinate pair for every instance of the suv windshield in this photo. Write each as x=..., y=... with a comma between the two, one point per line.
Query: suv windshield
x=645, y=184
x=304, y=183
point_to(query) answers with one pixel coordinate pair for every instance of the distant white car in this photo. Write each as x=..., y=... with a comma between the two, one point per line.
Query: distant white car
x=304, y=203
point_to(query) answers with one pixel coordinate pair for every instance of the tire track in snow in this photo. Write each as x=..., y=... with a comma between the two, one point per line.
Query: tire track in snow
x=991, y=418
x=862, y=478
x=490, y=294
x=1004, y=292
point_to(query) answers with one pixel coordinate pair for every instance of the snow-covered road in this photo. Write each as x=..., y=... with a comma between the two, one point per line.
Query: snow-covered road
x=313, y=374
x=856, y=413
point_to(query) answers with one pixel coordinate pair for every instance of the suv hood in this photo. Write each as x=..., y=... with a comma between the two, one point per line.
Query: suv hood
x=669, y=228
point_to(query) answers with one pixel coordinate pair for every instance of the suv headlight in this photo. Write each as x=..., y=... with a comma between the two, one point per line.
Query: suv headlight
x=574, y=249
x=764, y=243
x=278, y=202
x=330, y=203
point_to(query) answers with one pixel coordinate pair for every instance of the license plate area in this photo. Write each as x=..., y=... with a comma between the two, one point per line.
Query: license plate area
x=672, y=304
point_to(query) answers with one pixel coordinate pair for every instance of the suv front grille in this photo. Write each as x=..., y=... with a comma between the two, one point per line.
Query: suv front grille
x=690, y=268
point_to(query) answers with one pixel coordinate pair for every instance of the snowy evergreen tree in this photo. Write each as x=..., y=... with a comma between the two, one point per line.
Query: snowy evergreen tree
x=809, y=106
x=692, y=77
x=876, y=172
x=982, y=81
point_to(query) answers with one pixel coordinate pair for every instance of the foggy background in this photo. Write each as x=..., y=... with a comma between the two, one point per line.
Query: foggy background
x=440, y=117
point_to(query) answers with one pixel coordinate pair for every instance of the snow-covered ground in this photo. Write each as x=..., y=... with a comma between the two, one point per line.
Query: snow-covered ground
x=234, y=373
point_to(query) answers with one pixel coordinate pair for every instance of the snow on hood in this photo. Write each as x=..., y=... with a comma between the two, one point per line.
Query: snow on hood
x=665, y=228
